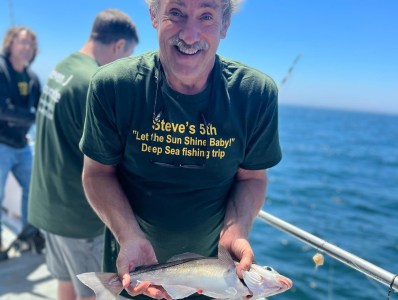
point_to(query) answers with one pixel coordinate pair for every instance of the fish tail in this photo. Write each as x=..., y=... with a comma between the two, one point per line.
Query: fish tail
x=106, y=286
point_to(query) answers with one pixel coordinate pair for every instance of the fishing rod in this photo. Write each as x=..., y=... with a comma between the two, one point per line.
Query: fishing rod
x=289, y=72
x=355, y=262
x=11, y=13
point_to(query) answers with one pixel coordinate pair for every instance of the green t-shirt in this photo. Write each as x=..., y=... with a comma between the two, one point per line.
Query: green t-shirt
x=136, y=121
x=57, y=202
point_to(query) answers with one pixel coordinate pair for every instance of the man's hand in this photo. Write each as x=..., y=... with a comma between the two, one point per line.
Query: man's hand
x=135, y=253
x=240, y=250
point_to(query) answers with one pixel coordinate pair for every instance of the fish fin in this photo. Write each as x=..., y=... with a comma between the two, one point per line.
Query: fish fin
x=179, y=291
x=225, y=258
x=106, y=286
x=184, y=256
x=231, y=291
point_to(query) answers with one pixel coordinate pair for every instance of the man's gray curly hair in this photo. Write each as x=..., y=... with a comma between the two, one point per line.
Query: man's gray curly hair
x=229, y=7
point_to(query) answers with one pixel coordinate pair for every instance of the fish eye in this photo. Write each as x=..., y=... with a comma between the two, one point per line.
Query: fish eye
x=268, y=268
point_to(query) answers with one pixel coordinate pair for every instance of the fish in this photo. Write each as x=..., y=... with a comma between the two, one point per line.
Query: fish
x=188, y=273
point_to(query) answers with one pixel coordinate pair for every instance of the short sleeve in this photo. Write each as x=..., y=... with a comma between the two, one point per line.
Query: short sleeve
x=101, y=140
x=263, y=149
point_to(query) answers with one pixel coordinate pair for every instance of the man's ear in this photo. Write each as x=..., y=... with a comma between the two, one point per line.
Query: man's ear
x=224, y=29
x=154, y=18
x=119, y=46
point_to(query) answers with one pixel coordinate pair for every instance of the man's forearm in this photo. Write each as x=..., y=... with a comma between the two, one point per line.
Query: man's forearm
x=108, y=200
x=246, y=200
x=16, y=115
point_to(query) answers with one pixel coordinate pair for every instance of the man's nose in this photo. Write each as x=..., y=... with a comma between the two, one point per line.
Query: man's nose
x=28, y=46
x=190, y=32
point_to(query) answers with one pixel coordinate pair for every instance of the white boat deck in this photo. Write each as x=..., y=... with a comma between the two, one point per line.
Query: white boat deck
x=24, y=276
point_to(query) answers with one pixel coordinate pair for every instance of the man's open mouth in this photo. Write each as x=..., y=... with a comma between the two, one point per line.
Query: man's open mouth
x=187, y=50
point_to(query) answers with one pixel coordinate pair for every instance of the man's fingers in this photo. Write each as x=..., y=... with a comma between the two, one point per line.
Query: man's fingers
x=157, y=292
x=139, y=288
x=244, y=265
x=146, y=288
x=126, y=280
x=142, y=287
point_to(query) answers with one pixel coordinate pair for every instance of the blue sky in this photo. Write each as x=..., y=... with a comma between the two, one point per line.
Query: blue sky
x=348, y=48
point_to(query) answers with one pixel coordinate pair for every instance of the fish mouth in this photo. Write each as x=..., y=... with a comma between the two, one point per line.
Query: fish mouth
x=287, y=283
x=282, y=285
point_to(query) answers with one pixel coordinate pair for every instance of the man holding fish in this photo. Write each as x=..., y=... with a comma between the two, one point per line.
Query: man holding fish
x=158, y=204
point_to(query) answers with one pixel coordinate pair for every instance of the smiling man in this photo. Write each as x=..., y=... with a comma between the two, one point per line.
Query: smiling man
x=177, y=143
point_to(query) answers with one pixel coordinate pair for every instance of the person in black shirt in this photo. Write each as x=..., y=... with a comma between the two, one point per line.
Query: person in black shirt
x=19, y=95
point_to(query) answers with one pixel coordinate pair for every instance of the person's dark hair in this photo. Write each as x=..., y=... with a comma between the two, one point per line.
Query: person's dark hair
x=112, y=25
x=13, y=33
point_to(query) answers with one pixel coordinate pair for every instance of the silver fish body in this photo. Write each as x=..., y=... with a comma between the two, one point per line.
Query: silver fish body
x=213, y=277
x=186, y=274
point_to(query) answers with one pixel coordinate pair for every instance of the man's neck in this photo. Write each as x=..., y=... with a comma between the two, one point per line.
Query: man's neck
x=96, y=50
x=186, y=85
x=88, y=49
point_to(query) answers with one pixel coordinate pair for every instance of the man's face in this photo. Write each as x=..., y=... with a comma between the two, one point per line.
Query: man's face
x=189, y=32
x=22, y=48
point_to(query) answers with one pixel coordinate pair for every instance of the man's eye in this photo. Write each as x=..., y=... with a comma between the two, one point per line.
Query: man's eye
x=175, y=13
x=207, y=17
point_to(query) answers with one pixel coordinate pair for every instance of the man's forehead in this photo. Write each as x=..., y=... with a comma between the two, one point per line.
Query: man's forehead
x=201, y=3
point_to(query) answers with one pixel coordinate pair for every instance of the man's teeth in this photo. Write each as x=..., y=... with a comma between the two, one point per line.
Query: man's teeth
x=189, y=51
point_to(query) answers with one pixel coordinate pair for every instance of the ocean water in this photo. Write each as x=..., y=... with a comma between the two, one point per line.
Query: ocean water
x=338, y=180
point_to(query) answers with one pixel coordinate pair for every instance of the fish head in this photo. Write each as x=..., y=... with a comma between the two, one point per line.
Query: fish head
x=264, y=281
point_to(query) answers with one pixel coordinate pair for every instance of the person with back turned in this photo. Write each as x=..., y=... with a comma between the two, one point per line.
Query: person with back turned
x=19, y=94
x=176, y=144
x=58, y=206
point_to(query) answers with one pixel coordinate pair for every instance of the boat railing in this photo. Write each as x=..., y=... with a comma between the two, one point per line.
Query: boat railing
x=372, y=271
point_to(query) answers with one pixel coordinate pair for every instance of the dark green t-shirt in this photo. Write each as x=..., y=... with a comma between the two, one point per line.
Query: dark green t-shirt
x=57, y=202
x=136, y=121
